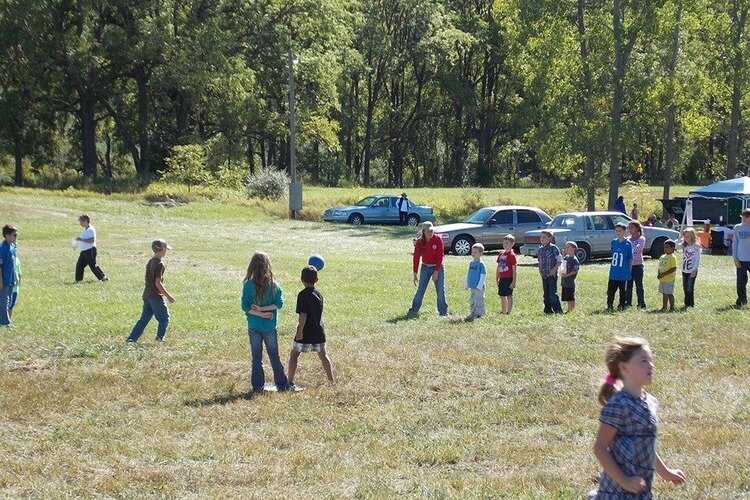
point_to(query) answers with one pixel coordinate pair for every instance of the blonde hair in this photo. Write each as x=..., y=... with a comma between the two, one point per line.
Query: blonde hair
x=479, y=246
x=620, y=350
x=692, y=233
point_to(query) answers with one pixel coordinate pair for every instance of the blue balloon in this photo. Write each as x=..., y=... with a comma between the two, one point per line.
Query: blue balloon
x=316, y=261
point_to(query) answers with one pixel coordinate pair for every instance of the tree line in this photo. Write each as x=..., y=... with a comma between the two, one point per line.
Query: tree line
x=588, y=93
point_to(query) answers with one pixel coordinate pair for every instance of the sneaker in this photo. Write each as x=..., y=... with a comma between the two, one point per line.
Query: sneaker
x=130, y=341
x=294, y=387
x=470, y=318
x=104, y=279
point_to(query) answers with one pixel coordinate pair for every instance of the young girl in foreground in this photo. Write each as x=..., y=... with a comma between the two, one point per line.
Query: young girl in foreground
x=626, y=442
x=261, y=299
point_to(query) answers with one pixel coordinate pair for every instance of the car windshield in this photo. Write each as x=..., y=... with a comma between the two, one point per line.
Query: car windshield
x=365, y=202
x=563, y=221
x=480, y=216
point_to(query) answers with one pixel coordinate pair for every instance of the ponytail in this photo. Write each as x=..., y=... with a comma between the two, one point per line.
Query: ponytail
x=620, y=350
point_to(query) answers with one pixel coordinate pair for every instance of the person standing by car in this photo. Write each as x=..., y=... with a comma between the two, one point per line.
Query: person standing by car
x=741, y=255
x=620, y=205
x=620, y=268
x=403, y=205
x=549, y=258
x=428, y=248
x=638, y=242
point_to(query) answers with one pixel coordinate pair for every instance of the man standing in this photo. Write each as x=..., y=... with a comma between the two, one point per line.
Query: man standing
x=7, y=271
x=741, y=255
x=87, y=243
x=403, y=205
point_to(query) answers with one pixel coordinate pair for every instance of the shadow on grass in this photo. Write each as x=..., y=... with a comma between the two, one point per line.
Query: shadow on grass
x=222, y=399
x=403, y=317
x=730, y=307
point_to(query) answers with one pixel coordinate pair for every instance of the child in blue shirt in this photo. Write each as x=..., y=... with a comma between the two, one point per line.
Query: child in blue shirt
x=619, y=269
x=475, y=282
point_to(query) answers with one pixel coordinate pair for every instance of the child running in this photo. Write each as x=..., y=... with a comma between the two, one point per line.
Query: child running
x=619, y=269
x=691, y=261
x=261, y=298
x=666, y=276
x=311, y=335
x=568, y=276
x=475, y=282
x=506, y=273
x=626, y=441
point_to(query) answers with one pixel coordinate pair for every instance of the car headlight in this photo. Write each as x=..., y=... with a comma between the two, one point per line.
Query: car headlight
x=338, y=213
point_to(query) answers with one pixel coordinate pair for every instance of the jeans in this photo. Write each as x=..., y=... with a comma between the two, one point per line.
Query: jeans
x=688, y=286
x=742, y=282
x=425, y=274
x=476, y=302
x=88, y=258
x=5, y=294
x=151, y=308
x=402, y=218
x=551, y=299
x=612, y=287
x=637, y=271
x=257, y=377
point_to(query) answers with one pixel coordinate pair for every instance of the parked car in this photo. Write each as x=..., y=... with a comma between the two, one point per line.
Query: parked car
x=593, y=232
x=489, y=225
x=378, y=209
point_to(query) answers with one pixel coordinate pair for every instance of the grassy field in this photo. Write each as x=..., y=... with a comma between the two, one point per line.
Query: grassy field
x=430, y=407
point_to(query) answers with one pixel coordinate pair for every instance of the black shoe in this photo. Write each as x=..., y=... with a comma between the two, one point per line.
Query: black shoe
x=104, y=279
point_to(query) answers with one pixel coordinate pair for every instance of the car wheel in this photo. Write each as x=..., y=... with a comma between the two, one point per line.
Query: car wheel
x=412, y=219
x=583, y=252
x=356, y=219
x=657, y=248
x=462, y=245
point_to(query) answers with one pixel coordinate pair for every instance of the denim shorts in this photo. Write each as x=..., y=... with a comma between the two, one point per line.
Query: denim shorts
x=300, y=347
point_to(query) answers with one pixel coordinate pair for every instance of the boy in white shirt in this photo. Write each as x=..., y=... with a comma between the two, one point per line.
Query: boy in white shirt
x=87, y=257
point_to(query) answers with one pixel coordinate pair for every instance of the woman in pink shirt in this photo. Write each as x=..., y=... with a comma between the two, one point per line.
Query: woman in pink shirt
x=638, y=242
x=428, y=248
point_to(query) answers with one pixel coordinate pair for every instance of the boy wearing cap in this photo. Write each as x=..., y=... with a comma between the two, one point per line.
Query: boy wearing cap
x=155, y=296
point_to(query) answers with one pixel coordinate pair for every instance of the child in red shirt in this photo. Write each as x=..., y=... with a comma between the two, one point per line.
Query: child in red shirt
x=506, y=273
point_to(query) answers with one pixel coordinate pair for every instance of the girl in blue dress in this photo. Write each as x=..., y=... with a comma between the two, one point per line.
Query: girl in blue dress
x=626, y=442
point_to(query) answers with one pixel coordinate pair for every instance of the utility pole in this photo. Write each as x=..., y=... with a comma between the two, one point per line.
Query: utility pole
x=295, y=188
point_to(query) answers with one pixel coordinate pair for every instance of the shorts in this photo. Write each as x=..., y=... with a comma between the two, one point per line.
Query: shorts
x=667, y=288
x=503, y=287
x=13, y=300
x=568, y=293
x=300, y=347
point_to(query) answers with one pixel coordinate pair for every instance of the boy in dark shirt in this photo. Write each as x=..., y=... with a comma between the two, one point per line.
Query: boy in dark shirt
x=310, y=329
x=155, y=296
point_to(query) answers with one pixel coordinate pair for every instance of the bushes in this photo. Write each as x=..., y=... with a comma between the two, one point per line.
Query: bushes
x=268, y=184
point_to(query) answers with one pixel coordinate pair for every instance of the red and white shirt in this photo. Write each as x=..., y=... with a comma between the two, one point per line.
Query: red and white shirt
x=430, y=252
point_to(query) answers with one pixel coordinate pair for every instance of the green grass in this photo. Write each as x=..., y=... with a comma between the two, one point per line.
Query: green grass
x=502, y=407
